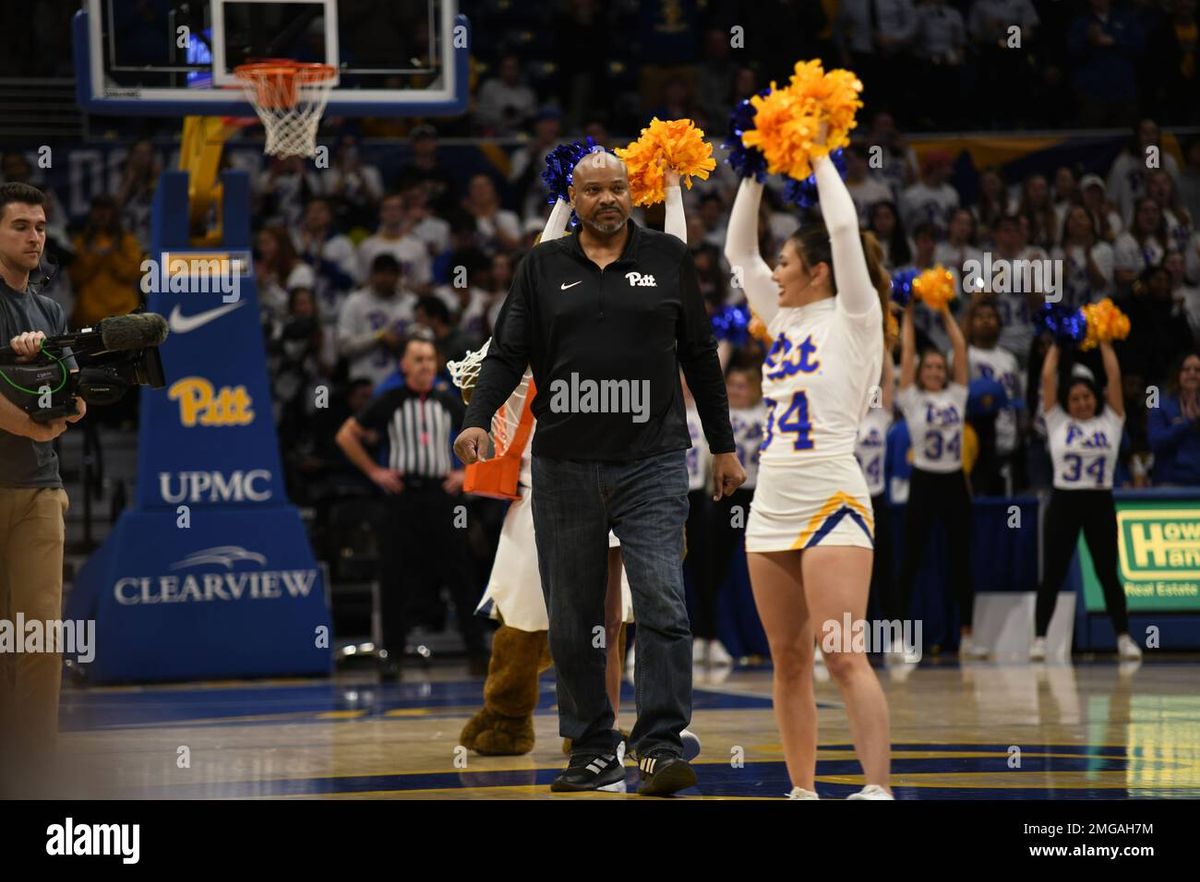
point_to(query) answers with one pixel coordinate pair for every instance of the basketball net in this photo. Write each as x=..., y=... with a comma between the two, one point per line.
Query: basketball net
x=512, y=425
x=289, y=97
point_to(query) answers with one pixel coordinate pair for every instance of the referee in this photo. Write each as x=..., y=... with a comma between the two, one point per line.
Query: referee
x=33, y=503
x=423, y=482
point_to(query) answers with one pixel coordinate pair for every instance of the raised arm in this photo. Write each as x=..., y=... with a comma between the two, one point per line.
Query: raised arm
x=676, y=221
x=855, y=295
x=1113, y=391
x=1050, y=379
x=741, y=250
x=908, y=348
x=958, y=346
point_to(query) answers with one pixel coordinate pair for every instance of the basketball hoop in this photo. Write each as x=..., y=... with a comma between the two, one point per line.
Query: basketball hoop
x=289, y=97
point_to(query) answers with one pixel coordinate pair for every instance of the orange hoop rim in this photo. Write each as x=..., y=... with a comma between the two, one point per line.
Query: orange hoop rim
x=309, y=72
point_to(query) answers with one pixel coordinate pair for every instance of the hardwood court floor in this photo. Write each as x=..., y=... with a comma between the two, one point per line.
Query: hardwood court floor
x=983, y=730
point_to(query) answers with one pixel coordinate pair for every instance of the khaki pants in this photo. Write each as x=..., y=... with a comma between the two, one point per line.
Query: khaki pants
x=32, y=532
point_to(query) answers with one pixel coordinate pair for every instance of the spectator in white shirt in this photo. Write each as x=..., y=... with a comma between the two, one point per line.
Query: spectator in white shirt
x=330, y=254
x=932, y=198
x=496, y=228
x=1037, y=208
x=865, y=189
x=396, y=237
x=1160, y=187
x=504, y=103
x=959, y=246
x=1066, y=194
x=528, y=163
x=898, y=161
x=282, y=190
x=374, y=321
x=991, y=204
x=1184, y=293
x=1094, y=193
x=1127, y=177
x=1143, y=245
x=1087, y=260
x=430, y=229
x=278, y=271
x=352, y=186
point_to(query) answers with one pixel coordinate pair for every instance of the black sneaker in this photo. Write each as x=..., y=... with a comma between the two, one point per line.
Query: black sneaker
x=664, y=773
x=592, y=771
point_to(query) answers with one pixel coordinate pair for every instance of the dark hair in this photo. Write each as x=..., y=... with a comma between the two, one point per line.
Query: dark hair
x=434, y=308
x=899, y=254
x=811, y=242
x=1014, y=219
x=385, y=263
x=26, y=194
x=926, y=228
x=1159, y=232
x=1177, y=369
x=1092, y=219
x=296, y=292
x=978, y=302
x=924, y=354
x=417, y=335
x=1076, y=380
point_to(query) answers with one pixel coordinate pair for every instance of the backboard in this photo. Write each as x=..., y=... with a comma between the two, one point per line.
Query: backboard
x=176, y=57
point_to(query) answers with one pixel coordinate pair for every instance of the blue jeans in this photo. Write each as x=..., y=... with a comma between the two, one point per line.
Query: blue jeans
x=645, y=503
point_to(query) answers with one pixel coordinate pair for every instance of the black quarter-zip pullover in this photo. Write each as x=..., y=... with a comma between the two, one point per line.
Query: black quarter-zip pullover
x=615, y=332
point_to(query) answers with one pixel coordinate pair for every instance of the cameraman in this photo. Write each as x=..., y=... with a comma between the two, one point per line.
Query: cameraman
x=32, y=500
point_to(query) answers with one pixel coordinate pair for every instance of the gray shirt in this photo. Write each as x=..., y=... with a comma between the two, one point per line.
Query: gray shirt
x=24, y=462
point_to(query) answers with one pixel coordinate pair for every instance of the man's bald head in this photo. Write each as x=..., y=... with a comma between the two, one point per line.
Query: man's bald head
x=599, y=193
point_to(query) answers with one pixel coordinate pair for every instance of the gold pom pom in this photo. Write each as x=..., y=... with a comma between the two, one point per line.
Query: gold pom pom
x=665, y=144
x=935, y=287
x=1105, y=323
x=787, y=120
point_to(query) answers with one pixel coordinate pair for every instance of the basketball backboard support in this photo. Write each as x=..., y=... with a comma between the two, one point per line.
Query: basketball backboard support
x=176, y=57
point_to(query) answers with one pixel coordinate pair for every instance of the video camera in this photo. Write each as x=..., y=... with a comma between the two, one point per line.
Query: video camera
x=97, y=364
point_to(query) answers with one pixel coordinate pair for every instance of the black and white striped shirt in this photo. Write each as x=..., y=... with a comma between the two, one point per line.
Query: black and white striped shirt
x=421, y=427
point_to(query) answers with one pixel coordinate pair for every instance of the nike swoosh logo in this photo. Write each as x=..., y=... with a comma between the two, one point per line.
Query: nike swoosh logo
x=564, y=286
x=182, y=324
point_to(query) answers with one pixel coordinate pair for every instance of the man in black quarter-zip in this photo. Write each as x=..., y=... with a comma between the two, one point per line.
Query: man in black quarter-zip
x=606, y=319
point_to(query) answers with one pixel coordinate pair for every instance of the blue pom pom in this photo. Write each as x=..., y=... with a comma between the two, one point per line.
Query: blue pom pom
x=746, y=161
x=902, y=285
x=560, y=165
x=732, y=323
x=804, y=193
x=1068, y=326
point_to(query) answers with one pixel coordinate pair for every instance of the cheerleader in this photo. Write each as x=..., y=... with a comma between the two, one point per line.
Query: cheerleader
x=870, y=449
x=1084, y=438
x=935, y=411
x=809, y=535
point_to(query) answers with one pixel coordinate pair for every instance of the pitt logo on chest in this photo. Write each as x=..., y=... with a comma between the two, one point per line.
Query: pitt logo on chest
x=1097, y=440
x=787, y=358
x=637, y=280
x=941, y=416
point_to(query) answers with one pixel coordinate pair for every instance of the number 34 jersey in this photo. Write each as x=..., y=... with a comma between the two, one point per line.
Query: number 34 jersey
x=817, y=382
x=1084, y=452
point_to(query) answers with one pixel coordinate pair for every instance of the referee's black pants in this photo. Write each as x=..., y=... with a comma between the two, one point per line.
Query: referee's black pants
x=423, y=544
x=1068, y=512
x=933, y=496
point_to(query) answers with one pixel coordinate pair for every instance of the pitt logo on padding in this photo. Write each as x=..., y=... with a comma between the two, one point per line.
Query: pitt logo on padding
x=1098, y=440
x=785, y=359
x=199, y=406
x=638, y=280
x=942, y=416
